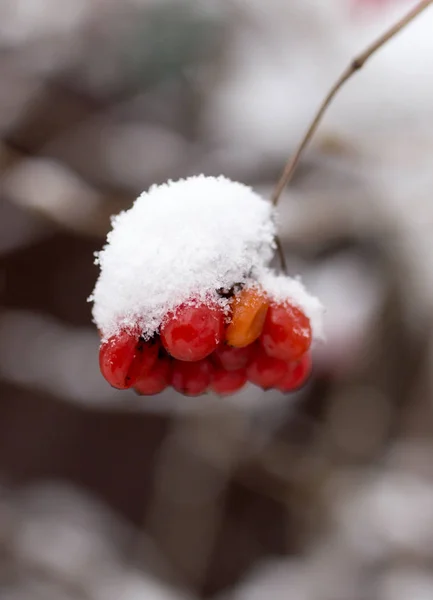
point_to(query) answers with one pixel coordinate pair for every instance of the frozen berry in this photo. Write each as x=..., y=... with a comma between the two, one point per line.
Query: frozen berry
x=191, y=378
x=228, y=382
x=286, y=332
x=296, y=375
x=249, y=309
x=148, y=352
x=124, y=357
x=232, y=359
x=193, y=331
x=265, y=371
x=156, y=380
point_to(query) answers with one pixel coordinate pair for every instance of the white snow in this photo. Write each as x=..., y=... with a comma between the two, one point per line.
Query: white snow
x=181, y=242
x=287, y=289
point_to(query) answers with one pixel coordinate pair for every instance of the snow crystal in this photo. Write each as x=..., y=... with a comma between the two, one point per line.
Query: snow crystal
x=179, y=240
x=282, y=288
x=185, y=241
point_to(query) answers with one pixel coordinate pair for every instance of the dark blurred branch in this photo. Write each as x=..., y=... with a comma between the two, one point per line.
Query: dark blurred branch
x=355, y=65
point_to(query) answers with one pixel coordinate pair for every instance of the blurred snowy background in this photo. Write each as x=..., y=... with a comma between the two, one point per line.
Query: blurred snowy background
x=325, y=495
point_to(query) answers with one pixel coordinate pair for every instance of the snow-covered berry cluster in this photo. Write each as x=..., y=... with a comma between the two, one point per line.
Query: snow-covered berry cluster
x=185, y=296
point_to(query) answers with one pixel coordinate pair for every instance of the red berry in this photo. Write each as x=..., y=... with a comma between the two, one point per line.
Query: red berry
x=156, y=380
x=265, y=371
x=228, y=382
x=286, y=332
x=148, y=355
x=193, y=332
x=124, y=357
x=191, y=378
x=296, y=375
x=232, y=359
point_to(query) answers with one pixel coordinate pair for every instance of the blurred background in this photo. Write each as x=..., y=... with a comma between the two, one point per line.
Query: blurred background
x=322, y=495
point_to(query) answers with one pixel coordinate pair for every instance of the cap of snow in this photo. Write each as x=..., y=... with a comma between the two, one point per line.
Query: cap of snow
x=184, y=241
x=180, y=240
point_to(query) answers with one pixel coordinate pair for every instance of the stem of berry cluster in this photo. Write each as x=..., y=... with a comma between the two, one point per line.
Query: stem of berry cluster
x=355, y=65
x=281, y=255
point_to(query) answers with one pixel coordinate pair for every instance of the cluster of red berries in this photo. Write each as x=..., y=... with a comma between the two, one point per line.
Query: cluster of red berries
x=264, y=342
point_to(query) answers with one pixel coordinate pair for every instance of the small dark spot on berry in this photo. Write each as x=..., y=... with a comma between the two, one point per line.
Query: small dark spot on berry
x=229, y=293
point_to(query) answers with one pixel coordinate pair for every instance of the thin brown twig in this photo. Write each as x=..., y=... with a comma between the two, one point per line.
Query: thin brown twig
x=281, y=254
x=355, y=65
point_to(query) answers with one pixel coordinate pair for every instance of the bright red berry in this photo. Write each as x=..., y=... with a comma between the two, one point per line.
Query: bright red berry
x=265, y=371
x=156, y=380
x=228, y=382
x=191, y=378
x=232, y=359
x=193, y=332
x=286, y=332
x=124, y=357
x=296, y=375
x=148, y=355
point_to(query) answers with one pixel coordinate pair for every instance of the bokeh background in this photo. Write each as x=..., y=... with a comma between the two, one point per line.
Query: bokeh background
x=322, y=495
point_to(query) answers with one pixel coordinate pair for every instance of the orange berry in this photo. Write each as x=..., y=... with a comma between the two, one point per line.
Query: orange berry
x=249, y=309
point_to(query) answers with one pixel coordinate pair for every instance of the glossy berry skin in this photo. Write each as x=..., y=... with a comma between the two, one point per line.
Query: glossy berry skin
x=265, y=371
x=286, y=333
x=232, y=359
x=191, y=378
x=156, y=380
x=193, y=332
x=149, y=352
x=249, y=309
x=228, y=382
x=124, y=357
x=296, y=375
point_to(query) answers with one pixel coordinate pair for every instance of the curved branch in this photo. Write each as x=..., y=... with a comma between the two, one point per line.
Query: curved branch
x=356, y=64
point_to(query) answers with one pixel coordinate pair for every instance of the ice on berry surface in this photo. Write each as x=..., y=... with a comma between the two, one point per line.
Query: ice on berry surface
x=180, y=240
x=282, y=288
